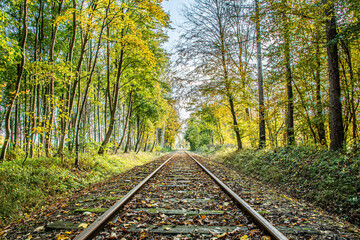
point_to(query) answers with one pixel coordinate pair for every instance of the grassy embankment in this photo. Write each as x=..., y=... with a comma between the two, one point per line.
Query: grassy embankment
x=23, y=188
x=328, y=179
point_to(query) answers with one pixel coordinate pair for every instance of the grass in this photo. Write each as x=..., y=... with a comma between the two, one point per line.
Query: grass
x=25, y=188
x=329, y=179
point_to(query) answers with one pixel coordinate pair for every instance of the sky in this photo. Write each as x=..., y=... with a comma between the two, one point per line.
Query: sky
x=173, y=8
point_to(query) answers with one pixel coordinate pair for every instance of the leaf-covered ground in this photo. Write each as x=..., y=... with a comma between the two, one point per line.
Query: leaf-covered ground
x=65, y=217
x=27, y=186
x=328, y=179
x=182, y=202
x=296, y=219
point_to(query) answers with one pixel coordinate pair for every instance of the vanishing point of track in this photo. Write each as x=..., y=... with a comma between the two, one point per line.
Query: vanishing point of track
x=181, y=197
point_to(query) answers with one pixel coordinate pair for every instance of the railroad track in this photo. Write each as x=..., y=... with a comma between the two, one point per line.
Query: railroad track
x=181, y=199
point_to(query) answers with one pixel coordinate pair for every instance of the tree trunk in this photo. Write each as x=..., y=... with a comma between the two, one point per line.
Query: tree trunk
x=146, y=142
x=236, y=126
x=52, y=106
x=228, y=91
x=126, y=122
x=262, y=129
x=353, y=106
x=141, y=141
x=80, y=112
x=127, y=145
x=306, y=112
x=16, y=122
x=152, y=147
x=162, y=141
x=69, y=60
x=289, y=91
x=113, y=105
x=320, y=123
x=17, y=86
x=336, y=121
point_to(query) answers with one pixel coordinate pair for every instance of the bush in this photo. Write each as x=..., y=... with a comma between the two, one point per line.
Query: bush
x=24, y=188
x=326, y=178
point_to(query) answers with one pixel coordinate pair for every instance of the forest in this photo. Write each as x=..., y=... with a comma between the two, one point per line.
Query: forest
x=271, y=73
x=274, y=84
x=79, y=75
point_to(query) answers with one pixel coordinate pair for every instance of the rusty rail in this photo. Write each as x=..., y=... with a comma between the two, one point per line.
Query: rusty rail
x=91, y=231
x=257, y=218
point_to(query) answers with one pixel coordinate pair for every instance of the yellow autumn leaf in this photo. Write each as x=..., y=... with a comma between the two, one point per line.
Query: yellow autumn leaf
x=221, y=235
x=245, y=237
x=83, y=225
x=61, y=237
x=29, y=237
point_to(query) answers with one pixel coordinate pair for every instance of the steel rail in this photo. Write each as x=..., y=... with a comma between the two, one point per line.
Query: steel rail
x=258, y=219
x=91, y=231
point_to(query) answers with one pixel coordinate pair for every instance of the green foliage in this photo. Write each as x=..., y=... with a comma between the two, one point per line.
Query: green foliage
x=197, y=134
x=329, y=179
x=24, y=188
x=203, y=128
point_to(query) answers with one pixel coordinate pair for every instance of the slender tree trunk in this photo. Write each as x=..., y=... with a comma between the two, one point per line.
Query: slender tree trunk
x=141, y=142
x=87, y=89
x=162, y=141
x=353, y=106
x=289, y=91
x=262, y=129
x=152, y=147
x=113, y=104
x=52, y=105
x=98, y=113
x=127, y=145
x=16, y=122
x=126, y=122
x=25, y=115
x=18, y=83
x=236, y=125
x=139, y=133
x=30, y=142
x=228, y=91
x=336, y=121
x=146, y=142
x=302, y=100
x=320, y=123
x=69, y=60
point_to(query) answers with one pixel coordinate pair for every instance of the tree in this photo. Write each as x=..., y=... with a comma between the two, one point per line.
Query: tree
x=336, y=121
x=262, y=130
x=20, y=71
x=83, y=58
x=215, y=36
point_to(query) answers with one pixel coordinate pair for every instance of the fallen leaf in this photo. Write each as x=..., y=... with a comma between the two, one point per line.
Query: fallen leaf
x=83, y=225
x=38, y=229
x=245, y=237
x=221, y=235
x=62, y=237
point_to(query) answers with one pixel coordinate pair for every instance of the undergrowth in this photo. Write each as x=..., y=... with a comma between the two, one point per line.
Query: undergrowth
x=24, y=188
x=326, y=178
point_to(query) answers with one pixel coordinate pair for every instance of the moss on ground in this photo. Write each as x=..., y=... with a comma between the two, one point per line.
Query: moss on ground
x=329, y=179
x=26, y=187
